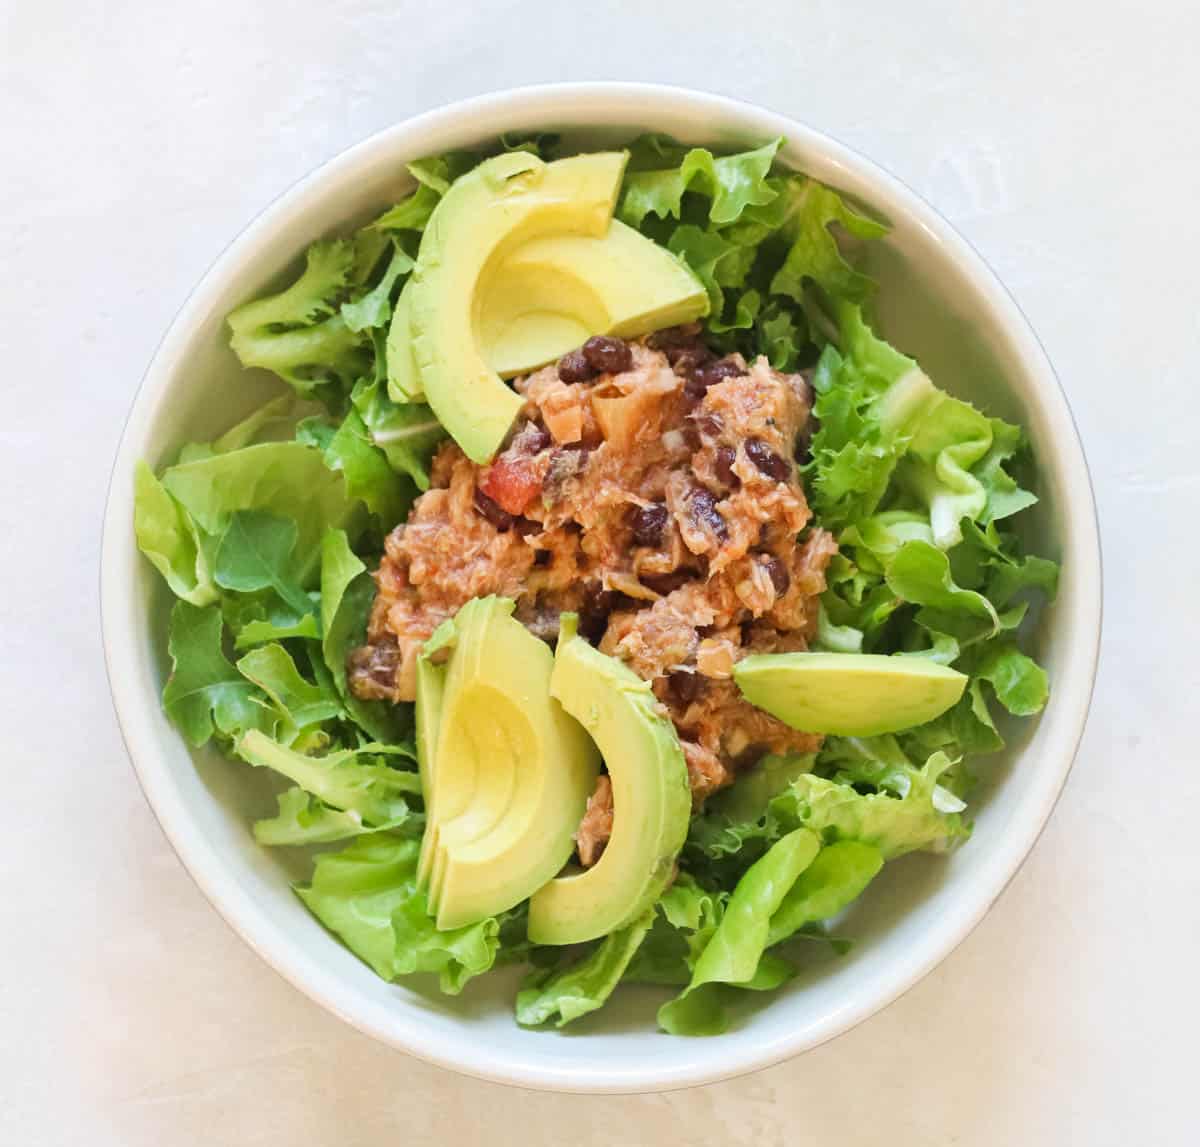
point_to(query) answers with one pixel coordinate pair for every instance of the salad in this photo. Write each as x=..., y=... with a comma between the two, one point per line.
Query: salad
x=608, y=597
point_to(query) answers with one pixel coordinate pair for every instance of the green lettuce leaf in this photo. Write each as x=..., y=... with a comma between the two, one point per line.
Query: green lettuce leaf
x=367, y=894
x=735, y=953
x=831, y=883
x=299, y=333
x=924, y=816
x=407, y=433
x=204, y=691
x=303, y=819
x=374, y=309
x=352, y=780
x=347, y=593
x=167, y=536
x=276, y=412
x=731, y=182
x=566, y=993
x=257, y=552
x=804, y=211
x=686, y=916
x=300, y=703
x=288, y=479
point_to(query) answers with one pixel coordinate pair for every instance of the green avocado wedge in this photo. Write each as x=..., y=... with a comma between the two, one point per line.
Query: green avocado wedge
x=651, y=798
x=848, y=694
x=511, y=770
x=486, y=214
x=552, y=294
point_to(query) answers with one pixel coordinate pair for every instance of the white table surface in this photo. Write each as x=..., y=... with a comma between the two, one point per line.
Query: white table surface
x=1060, y=137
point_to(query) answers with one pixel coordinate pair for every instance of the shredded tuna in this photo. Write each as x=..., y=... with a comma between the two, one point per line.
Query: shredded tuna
x=671, y=518
x=596, y=826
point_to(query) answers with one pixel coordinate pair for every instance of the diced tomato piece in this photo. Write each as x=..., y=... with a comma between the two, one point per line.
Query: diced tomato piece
x=513, y=482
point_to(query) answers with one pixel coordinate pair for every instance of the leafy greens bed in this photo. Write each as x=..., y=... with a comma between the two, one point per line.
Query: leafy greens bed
x=266, y=536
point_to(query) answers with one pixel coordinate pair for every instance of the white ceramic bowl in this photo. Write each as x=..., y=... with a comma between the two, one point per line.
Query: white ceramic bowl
x=938, y=301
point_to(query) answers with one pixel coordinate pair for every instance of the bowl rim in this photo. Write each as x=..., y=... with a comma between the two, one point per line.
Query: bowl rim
x=204, y=864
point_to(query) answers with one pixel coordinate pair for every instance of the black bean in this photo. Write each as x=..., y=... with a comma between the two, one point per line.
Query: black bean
x=541, y=558
x=493, y=511
x=608, y=354
x=649, y=523
x=527, y=527
x=767, y=460
x=575, y=367
x=723, y=465
x=686, y=359
x=593, y=612
x=709, y=423
x=687, y=335
x=710, y=373
x=704, y=510
x=533, y=439
x=780, y=578
x=687, y=686
x=664, y=583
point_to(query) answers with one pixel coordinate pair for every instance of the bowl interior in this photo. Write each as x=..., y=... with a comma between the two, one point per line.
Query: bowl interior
x=937, y=301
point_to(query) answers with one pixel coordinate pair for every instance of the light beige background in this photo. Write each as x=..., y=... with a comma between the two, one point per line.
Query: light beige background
x=139, y=137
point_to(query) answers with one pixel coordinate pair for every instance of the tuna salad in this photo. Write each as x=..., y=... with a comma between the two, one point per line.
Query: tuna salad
x=605, y=593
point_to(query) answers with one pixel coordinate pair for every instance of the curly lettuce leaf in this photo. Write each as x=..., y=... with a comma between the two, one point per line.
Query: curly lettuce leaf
x=374, y=309
x=304, y=819
x=925, y=816
x=301, y=704
x=730, y=182
x=803, y=212
x=352, y=780
x=298, y=333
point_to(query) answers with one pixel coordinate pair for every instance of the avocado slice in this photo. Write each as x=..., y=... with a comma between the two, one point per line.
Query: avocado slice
x=553, y=293
x=652, y=801
x=404, y=380
x=512, y=775
x=431, y=691
x=485, y=215
x=848, y=694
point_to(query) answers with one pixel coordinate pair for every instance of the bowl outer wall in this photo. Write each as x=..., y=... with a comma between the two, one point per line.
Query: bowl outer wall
x=251, y=891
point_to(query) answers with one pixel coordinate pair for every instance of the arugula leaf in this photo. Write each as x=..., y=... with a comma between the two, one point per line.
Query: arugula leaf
x=256, y=552
x=204, y=691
